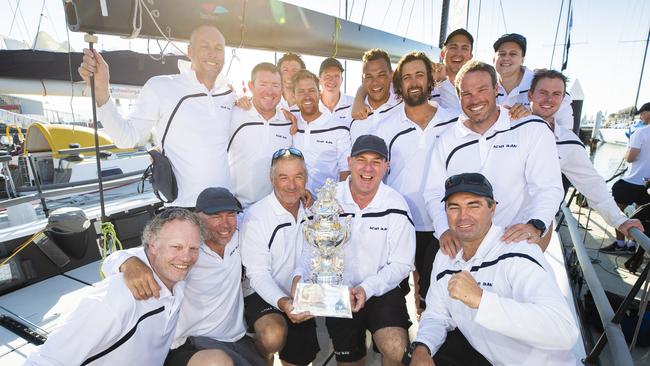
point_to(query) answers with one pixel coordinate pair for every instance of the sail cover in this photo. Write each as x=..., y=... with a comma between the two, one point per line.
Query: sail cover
x=258, y=24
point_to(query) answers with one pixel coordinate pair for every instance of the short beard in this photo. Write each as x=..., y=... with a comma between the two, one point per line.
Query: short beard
x=414, y=102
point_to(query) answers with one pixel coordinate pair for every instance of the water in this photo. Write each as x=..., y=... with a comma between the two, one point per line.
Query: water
x=608, y=160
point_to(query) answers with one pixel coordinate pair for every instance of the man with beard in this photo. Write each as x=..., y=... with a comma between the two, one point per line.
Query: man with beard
x=513, y=155
x=377, y=257
x=377, y=82
x=188, y=112
x=289, y=64
x=211, y=318
x=547, y=90
x=324, y=141
x=272, y=243
x=255, y=134
x=412, y=131
x=332, y=99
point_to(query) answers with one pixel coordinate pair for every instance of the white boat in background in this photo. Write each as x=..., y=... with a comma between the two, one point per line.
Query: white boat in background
x=614, y=135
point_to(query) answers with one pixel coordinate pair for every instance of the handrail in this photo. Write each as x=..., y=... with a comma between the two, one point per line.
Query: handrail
x=640, y=239
x=620, y=353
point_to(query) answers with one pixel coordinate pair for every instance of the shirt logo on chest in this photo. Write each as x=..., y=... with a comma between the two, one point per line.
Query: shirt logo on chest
x=325, y=142
x=378, y=228
x=505, y=146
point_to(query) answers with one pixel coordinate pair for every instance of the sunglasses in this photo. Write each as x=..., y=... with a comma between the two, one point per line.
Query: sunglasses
x=284, y=152
x=471, y=179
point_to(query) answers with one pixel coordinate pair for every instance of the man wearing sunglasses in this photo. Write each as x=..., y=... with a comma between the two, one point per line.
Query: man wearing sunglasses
x=513, y=155
x=271, y=245
x=211, y=317
x=377, y=258
x=500, y=295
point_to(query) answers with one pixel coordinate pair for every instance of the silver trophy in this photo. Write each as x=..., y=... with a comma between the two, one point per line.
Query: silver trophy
x=323, y=293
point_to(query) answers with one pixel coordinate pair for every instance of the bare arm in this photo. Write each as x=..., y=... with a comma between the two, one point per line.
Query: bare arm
x=631, y=154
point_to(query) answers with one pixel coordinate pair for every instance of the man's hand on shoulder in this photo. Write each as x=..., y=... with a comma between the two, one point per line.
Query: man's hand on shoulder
x=449, y=244
x=518, y=111
x=138, y=277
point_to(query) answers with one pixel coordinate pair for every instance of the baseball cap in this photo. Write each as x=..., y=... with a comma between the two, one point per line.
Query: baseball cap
x=511, y=37
x=474, y=183
x=644, y=108
x=330, y=62
x=217, y=199
x=462, y=32
x=370, y=143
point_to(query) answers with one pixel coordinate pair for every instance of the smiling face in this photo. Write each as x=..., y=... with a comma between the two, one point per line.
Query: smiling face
x=508, y=59
x=206, y=51
x=456, y=53
x=289, y=177
x=330, y=80
x=307, y=97
x=287, y=70
x=219, y=227
x=414, y=83
x=376, y=80
x=175, y=251
x=478, y=100
x=267, y=90
x=469, y=217
x=547, y=97
x=366, y=172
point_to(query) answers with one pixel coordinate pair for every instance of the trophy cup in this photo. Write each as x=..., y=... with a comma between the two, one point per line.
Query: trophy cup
x=323, y=292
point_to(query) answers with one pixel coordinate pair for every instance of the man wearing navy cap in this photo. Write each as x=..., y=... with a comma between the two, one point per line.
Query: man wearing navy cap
x=332, y=99
x=501, y=296
x=212, y=314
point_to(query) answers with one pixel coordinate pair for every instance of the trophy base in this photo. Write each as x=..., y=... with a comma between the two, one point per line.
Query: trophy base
x=322, y=300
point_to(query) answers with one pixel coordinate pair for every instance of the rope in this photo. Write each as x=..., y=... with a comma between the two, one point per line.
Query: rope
x=20, y=247
x=242, y=31
x=110, y=242
x=337, y=34
x=38, y=29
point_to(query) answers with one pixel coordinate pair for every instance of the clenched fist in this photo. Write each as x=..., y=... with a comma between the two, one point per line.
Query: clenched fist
x=462, y=286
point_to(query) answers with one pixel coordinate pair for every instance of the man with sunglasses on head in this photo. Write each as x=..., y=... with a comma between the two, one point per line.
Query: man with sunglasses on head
x=211, y=318
x=500, y=295
x=271, y=244
x=255, y=134
x=377, y=258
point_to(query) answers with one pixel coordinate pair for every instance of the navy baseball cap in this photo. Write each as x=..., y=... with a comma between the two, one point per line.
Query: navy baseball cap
x=511, y=37
x=461, y=32
x=644, y=108
x=474, y=183
x=330, y=62
x=217, y=199
x=370, y=143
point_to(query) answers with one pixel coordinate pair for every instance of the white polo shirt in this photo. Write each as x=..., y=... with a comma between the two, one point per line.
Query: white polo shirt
x=214, y=304
x=271, y=245
x=513, y=156
x=409, y=152
x=563, y=117
x=522, y=319
x=577, y=167
x=381, y=249
x=342, y=112
x=198, y=134
x=639, y=169
x=447, y=97
x=253, y=140
x=364, y=127
x=325, y=143
x=112, y=328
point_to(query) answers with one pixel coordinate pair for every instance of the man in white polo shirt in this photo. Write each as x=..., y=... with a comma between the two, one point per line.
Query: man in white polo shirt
x=631, y=188
x=332, y=98
x=411, y=133
x=188, y=112
x=500, y=295
x=211, y=316
x=110, y=327
x=513, y=155
x=377, y=83
x=376, y=259
x=324, y=141
x=255, y=134
x=547, y=90
x=271, y=245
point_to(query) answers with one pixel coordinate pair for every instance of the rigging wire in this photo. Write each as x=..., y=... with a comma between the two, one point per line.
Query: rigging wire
x=38, y=28
x=67, y=33
x=409, y=21
x=242, y=31
x=503, y=16
x=478, y=25
x=386, y=14
x=557, y=30
x=363, y=14
x=399, y=18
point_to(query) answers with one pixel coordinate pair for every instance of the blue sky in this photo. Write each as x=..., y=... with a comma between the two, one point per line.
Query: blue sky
x=608, y=37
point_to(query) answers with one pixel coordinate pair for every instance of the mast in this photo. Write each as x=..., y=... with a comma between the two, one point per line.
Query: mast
x=444, y=19
x=645, y=55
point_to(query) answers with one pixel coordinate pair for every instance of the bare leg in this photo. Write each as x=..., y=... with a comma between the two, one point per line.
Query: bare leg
x=391, y=342
x=270, y=335
x=210, y=357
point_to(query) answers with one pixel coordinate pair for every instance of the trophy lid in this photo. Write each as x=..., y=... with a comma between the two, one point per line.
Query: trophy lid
x=326, y=203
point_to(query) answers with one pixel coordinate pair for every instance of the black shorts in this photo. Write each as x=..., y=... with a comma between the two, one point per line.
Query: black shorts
x=242, y=352
x=349, y=335
x=301, y=345
x=426, y=247
x=627, y=193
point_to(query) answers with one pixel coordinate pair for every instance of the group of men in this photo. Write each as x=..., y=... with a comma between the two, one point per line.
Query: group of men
x=427, y=156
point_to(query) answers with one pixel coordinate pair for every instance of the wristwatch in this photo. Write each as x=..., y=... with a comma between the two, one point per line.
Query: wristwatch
x=539, y=225
x=408, y=352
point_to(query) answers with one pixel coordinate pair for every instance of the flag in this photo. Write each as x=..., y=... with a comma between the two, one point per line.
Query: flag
x=565, y=56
